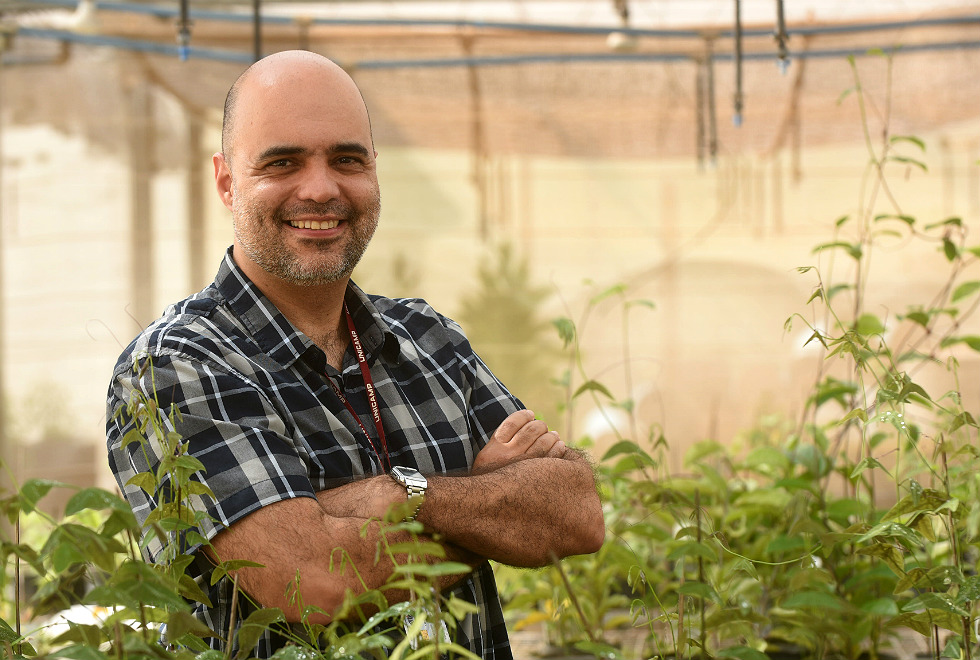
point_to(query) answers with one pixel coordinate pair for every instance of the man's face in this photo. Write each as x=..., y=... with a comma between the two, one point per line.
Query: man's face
x=303, y=187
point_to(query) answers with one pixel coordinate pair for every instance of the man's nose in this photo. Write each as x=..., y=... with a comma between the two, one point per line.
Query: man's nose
x=318, y=182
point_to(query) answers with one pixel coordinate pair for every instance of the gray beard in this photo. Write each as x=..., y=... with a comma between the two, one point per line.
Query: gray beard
x=260, y=238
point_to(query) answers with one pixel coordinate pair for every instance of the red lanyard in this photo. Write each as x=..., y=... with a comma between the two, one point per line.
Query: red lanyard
x=371, y=395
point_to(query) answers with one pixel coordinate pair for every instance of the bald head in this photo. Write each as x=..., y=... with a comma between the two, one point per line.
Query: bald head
x=295, y=70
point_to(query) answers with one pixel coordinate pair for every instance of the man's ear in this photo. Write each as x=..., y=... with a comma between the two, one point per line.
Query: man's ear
x=222, y=178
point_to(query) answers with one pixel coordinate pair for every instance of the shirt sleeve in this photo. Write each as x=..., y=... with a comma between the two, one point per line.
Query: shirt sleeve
x=223, y=421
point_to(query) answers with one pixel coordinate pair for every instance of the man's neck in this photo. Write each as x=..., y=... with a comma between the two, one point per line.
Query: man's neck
x=316, y=311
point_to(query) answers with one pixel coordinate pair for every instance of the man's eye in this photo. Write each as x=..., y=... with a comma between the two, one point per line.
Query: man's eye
x=282, y=162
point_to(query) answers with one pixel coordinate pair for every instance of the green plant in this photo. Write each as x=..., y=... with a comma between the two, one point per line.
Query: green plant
x=92, y=558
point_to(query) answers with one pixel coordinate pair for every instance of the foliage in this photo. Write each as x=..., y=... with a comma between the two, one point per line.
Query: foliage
x=94, y=597
x=827, y=535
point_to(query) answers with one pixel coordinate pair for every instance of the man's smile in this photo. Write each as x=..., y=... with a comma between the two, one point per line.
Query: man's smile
x=314, y=224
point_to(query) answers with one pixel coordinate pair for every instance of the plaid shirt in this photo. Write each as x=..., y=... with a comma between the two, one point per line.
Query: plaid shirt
x=257, y=409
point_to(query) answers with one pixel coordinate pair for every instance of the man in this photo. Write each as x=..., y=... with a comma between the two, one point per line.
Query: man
x=312, y=405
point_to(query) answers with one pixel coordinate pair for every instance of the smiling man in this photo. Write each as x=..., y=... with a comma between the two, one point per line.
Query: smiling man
x=315, y=407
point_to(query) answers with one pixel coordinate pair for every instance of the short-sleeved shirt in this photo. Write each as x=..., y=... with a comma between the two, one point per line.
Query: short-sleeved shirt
x=257, y=408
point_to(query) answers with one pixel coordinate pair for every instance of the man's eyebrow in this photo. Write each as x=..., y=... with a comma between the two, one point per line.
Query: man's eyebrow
x=351, y=148
x=278, y=151
x=281, y=150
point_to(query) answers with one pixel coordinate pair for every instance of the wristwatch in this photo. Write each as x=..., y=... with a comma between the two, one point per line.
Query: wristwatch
x=414, y=483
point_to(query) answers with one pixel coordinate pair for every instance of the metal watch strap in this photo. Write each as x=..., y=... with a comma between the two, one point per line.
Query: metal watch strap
x=414, y=491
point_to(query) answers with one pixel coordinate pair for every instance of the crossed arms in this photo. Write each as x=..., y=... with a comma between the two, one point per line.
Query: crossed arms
x=528, y=498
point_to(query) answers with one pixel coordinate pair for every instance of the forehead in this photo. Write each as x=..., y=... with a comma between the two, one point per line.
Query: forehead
x=304, y=106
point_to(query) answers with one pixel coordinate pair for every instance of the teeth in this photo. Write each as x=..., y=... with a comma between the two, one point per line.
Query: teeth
x=313, y=224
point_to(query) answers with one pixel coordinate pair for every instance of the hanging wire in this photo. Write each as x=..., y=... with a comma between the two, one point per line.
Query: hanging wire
x=184, y=32
x=256, y=30
x=737, y=117
x=699, y=113
x=781, y=37
x=709, y=79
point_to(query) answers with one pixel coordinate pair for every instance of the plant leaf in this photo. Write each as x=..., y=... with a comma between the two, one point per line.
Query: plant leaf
x=965, y=290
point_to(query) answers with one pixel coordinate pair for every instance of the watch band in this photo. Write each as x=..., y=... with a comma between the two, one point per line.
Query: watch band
x=415, y=486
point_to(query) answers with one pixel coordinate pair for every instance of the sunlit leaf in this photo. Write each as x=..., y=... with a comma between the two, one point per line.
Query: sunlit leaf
x=965, y=290
x=592, y=386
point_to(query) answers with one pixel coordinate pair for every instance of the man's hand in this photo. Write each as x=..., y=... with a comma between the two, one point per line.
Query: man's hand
x=518, y=437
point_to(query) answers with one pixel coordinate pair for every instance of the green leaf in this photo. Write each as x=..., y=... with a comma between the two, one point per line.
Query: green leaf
x=965, y=290
x=742, y=653
x=891, y=530
x=189, y=589
x=819, y=600
x=7, y=634
x=908, y=161
x=895, y=139
x=184, y=623
x=33, y=490
x=566, y=330
x=854, y=250
x=867, y=463
x=934, y=601
x=699, y=590
x=918, y=317
x=948, y=222
x=433, y=570
x=622, y=447
x=927, y=500
x=600, y=650
x=592, y=386
x=969, y=590
x=95, y=499
x=615, y=290
x=952, y=649
x=881, y=607
x=858, y=414
x=253, y=627
x=145, y=480
x=87, y=634
x=869, y=324
x=649, y=304
x=907, y=219
x=80, y=653
x=764, y=459
x=886, y=552
x=950, y=249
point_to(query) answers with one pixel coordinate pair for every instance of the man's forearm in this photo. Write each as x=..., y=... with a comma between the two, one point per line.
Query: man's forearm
x=522, y=513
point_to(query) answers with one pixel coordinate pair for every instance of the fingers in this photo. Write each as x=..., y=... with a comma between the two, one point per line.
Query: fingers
x=528, y=436
x=519, y=436
x=510, y=426
x=558, y=449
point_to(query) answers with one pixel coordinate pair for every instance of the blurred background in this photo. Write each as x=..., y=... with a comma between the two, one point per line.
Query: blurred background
x=534, y=156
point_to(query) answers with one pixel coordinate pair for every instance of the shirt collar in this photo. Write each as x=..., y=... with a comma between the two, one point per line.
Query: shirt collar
x=278, y=337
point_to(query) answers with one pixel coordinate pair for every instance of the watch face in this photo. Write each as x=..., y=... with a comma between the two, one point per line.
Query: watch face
x=408, y=475
x=403, y=472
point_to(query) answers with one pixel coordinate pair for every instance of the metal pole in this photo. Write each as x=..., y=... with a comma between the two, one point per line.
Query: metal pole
x=184, y=32
x=257, y=30
x=141, y=249
x=781, y=36
x=737, y=118
x=3, y=298
x=712, y=106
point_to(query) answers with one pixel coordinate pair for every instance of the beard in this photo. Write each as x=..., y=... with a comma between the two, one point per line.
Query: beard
x=262, y=235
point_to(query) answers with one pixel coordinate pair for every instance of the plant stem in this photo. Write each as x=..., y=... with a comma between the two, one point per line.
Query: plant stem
x=232, y=617
x=573, y=597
